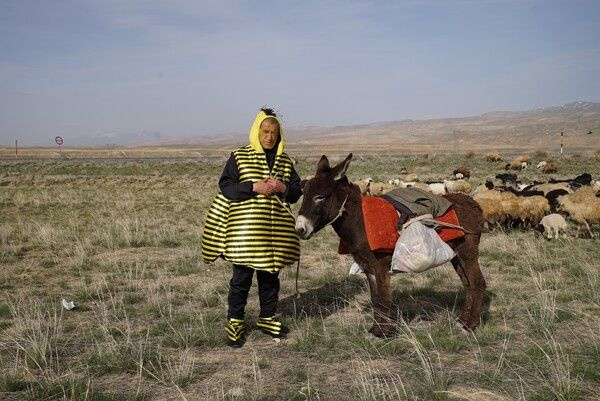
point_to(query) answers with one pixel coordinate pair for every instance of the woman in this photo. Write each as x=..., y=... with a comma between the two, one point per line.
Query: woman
x=249, y=225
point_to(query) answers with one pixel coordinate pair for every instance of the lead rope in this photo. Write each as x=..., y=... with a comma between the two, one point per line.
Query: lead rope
x=289, y=210
x=297, y=295
x=340, y=212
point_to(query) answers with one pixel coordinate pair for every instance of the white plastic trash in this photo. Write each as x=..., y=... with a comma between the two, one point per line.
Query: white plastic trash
x=419, y=248
x=355, y=269
x=68, y=305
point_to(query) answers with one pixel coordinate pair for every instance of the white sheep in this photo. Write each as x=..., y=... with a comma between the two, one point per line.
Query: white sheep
x=541, y=164
x=460, y=186
x=553, y=224
x=437, y=188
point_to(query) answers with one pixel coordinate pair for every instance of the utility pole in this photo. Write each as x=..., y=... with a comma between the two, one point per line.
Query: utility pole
x=16, y=149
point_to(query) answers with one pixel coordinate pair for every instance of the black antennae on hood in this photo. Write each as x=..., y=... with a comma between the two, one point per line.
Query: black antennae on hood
x=268, y=111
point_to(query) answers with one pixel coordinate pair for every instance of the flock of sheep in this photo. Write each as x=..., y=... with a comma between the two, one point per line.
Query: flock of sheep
x=508, y=203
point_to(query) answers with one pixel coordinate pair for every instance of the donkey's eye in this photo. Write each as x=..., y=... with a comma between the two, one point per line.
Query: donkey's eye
x=319, y=198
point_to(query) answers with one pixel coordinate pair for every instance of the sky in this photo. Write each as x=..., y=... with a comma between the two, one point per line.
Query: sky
x=184, y=68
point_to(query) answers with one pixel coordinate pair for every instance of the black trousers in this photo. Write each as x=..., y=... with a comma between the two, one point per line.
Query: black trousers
x=239, y=286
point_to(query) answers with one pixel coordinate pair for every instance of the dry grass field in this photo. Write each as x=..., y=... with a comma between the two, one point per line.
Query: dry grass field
x=120, y=238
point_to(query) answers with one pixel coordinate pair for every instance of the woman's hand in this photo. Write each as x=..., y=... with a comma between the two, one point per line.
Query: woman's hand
x=277, y=186
x=262, y=188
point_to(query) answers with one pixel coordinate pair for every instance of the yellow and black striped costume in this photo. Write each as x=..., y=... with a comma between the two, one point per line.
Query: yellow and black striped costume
x=256, y=232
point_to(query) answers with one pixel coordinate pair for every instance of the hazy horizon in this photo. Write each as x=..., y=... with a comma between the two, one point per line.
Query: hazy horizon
x=182, y=69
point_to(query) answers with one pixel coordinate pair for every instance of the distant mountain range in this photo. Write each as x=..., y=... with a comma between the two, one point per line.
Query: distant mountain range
x=538, y=128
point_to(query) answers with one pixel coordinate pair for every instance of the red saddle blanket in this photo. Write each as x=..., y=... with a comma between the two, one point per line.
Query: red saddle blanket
x=381, y=219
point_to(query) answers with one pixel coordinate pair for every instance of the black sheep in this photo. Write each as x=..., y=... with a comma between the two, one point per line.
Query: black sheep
x=553, y=196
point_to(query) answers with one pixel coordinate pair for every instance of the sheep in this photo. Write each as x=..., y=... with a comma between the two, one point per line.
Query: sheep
x=541, y=164
x=583, y=206
x=545, y=188
x=515, y=165
x=394, y=181
x=523, y=159
x=415, y=184
x=523, y=192
x=550, y=167
x=458, y=186
x=420, y=185
x=507, y=178
x=491, y=203
x=411, y=177
x=365, y=185
x=459, y=176
x=552, y=224
x=531, y=206
x=462, y=171
x=380, y=188
x=577, y=182
x=553, y=196
x=493, y=157
x=492, y=212
x=483, y=187
x=505, y=207
x=437, y=188
x=532, y=209
x=510, y=210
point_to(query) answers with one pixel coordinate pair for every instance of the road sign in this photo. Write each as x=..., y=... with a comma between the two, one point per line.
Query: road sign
x=58, y=140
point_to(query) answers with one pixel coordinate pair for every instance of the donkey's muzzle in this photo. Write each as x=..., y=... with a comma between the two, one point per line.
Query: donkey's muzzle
x=304, y=227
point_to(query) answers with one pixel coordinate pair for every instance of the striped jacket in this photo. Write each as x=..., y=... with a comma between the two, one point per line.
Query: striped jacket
x=257, y=232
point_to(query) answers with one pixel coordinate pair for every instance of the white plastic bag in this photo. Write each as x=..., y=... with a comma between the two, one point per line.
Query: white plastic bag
x=419, y=248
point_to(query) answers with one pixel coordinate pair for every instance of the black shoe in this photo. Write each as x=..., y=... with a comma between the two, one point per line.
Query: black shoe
x=235, y=330
x=272, y=327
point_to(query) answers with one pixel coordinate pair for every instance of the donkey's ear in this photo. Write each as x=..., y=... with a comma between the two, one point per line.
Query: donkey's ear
x=323, y=164
x=339, y=171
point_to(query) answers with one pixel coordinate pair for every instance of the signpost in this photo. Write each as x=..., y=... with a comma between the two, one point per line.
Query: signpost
x=16, y=149
x=59, y=142
x=561, y=142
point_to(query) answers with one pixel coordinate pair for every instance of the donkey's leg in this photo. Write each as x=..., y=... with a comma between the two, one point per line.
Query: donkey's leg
x=477, y=289
x=382, y=304
x=467, y=267
x=372, y=285
x=460, y=270
x=375, y=329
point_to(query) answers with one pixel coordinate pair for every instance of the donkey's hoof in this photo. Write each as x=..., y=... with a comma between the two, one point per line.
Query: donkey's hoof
x=376, y=331
x=468, y=326
x=461, y=325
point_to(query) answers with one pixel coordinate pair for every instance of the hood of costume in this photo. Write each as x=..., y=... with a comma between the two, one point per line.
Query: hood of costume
x=255, y=130
x=258, y=232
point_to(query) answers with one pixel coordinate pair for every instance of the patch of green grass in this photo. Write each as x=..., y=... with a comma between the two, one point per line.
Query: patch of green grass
x=297, y=374
x=77, y=389
x=5, y=311
x=11, y=382
x=132, y=298
x=313, y=339
x=587, y=364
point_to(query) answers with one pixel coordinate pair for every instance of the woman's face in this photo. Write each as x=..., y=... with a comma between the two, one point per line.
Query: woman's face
x=268, y=133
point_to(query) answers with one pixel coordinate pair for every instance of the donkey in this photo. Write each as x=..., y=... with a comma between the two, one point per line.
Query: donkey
x=330, y=199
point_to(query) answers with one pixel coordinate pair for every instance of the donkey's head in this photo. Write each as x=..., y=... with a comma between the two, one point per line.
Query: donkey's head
x=324, y=196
